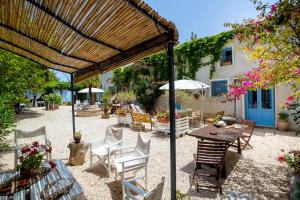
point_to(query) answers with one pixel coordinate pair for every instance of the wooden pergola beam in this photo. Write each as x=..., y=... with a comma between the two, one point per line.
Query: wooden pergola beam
x=116, y=60
x=61, y=20
x=44, y=44
x=24, y=56
x=30, y=52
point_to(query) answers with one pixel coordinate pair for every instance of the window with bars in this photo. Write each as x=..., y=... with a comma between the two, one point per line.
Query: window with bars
x=226, y=58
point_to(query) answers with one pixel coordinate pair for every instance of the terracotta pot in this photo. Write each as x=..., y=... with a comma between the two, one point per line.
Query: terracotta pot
x=163, y=120
x=77, y=140
x=26, y=173
x=282, y=125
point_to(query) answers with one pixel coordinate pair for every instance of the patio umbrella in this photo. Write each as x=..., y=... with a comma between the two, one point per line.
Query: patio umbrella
x=187, y=84
x=94, y=90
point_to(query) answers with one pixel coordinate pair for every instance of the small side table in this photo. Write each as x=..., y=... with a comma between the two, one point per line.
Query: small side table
x=77, y=153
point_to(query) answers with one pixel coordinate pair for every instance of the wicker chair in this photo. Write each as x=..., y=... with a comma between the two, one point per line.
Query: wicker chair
x=105, y=147
x=155, y=194
x=212, y=154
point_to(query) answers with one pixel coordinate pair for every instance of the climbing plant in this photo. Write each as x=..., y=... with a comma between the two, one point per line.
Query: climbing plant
x=190, y=55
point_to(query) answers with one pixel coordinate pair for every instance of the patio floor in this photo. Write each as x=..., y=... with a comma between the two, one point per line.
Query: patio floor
x=255, y=173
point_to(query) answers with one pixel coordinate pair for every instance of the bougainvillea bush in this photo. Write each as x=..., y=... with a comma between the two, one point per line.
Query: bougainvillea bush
x=273, y=39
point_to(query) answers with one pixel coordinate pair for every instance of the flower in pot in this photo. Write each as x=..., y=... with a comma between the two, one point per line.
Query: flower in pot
x=282, y=123
x=77, y=137
x=162, y=117
x=31, y=159
x=293, y=160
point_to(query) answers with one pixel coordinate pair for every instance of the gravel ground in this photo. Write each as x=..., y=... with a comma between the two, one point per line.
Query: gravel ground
x=255, y=173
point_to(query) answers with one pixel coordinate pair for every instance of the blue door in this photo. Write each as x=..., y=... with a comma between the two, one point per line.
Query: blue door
x=260, y=107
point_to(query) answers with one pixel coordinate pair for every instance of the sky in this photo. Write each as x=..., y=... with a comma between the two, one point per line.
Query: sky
x=203, y=17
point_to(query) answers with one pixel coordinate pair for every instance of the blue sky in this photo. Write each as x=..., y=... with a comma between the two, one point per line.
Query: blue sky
x=203, y=17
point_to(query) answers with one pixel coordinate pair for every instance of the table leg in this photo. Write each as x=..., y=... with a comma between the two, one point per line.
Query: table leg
x=223, y=172
x=239, y=145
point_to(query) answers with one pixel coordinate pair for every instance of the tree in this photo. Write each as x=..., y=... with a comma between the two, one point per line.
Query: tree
x=90, y=83
x=273, y=39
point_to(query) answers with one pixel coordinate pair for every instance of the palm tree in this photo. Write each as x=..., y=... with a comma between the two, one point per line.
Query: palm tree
x=90, y=83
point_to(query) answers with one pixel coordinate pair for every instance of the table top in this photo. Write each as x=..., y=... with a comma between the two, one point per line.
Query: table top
x=228, y=134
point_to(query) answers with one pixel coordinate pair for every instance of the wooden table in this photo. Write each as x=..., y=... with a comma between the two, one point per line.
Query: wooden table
x=34, y=191
x=227, y=134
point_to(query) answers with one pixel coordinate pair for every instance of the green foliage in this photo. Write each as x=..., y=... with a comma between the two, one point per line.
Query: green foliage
x=190, y=55
x=182, y=196
x=125, y=97
x=122, y=78
x=106, y=97
x=293, y=161
x=283, y=115
x=7, y=120
x=294, y=108
x=52, y=98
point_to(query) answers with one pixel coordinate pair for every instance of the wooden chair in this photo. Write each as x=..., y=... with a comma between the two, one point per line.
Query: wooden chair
x=210, y=117
x=212, y=154
x=105, y=147
x=155, y=194
x=20, y=134
x=139, y=118
x=246, y=135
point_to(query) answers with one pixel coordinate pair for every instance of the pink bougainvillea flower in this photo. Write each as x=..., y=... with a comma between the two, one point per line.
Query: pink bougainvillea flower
x=290, y=98
x=268, y=30
x=297, y=72
x=274, y=8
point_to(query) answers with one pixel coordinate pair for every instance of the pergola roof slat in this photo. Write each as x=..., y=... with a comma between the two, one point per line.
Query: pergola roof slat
x=85, y=37
x=57, y=17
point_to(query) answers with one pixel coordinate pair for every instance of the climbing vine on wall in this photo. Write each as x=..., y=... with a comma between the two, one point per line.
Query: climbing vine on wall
x=189, y=57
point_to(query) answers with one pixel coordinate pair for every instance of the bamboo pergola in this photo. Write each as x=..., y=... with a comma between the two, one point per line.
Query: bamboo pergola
x=84, y=37
x=88, y=37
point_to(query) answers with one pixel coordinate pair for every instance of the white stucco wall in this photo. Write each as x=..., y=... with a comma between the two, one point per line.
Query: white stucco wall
x=241, y=64
x=106, y=80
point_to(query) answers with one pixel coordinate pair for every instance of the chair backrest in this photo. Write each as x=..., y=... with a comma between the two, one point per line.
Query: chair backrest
x=78, y=102
x=157, y=192
x=143, y=147
x=250, y=125
x=221, y=113
x=115, y=133
x=141, y=117
x=29, y=134
x=194, y=114
x=211, y=152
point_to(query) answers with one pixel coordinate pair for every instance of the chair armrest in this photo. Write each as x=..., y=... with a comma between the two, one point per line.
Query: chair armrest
x=133, y=188
x=113, y=144
x=136, y=158
x=123, y=148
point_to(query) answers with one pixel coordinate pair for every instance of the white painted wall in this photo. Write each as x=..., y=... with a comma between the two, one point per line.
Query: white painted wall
x=241, y=64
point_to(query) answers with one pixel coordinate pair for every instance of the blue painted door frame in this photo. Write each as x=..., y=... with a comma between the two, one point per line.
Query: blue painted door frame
x=260, y=107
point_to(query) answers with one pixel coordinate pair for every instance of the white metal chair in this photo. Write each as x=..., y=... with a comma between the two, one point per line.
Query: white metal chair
x=105, y=147
x=132, y=158
x=155, y=194
x=78, y=105
x=20, y=134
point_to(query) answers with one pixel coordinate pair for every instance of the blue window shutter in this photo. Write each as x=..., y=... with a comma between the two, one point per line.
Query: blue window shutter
x=219, y=87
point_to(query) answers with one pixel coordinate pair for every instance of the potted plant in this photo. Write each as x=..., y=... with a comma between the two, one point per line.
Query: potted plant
x=121, y=112
x=105, y=114
x=52, y=101
x=282, y=123
x=77, y=137
x=31, y=159
x=162, y=117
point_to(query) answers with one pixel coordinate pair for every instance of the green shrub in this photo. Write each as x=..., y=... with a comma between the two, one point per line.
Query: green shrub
x=7, y=121
x=52, y=98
